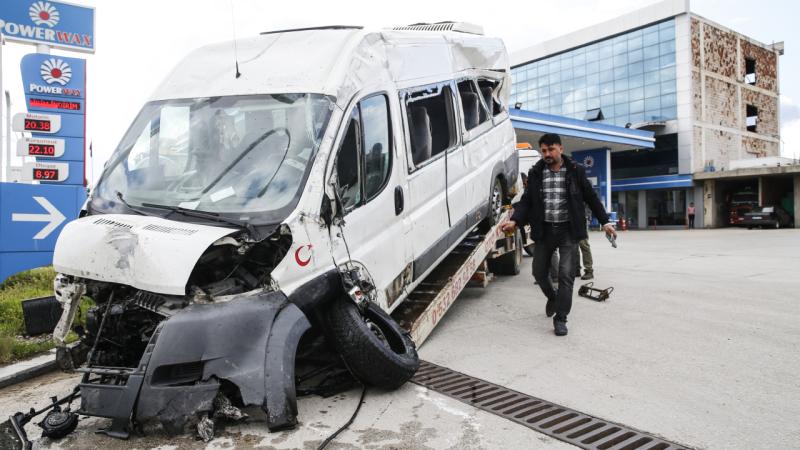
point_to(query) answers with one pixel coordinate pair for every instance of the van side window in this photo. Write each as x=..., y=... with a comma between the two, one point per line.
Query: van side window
x=377, y=139
x=431, y=122
x=364, y=160
x=347, y=164
x=475, y=112
x=489, y=90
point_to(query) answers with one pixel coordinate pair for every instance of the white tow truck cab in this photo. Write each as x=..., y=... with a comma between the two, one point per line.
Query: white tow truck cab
x=311, y=187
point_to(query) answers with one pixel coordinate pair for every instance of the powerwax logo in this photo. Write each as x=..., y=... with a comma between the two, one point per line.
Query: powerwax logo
x=43, y=13
x=48, y=22
x=56, y=71
x=588, y=161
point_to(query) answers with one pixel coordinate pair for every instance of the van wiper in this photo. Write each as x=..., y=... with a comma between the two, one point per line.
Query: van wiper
x=128, y=205
x=205, y=215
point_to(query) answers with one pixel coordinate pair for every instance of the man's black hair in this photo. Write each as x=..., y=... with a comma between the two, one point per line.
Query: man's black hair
x=549, y=139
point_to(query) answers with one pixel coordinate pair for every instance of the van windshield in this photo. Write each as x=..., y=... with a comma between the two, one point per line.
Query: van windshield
x=238, y=154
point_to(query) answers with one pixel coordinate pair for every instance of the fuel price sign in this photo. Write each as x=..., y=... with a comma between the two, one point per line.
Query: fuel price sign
x=37, y=123
x=40, y=147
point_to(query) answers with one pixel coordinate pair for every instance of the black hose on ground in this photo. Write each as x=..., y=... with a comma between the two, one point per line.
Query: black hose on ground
x=349, y=422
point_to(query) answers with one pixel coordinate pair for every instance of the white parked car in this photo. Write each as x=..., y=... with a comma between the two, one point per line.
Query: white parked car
x=307, y=190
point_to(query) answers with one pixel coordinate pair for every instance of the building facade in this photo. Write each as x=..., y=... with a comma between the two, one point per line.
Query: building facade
x=711, y=96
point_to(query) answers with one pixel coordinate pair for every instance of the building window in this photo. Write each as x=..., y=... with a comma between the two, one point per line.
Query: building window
x=752, y=118
x=750, y=71
x=662, y=160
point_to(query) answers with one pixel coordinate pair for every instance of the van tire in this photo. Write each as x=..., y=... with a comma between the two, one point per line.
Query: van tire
x=509, y=263
x=497, y=199
x=385, y=362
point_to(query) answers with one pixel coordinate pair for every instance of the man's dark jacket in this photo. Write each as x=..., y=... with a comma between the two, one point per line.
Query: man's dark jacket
x=530, y=209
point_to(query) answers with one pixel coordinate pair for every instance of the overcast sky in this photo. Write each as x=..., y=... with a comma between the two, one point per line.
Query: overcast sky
x=139, y=41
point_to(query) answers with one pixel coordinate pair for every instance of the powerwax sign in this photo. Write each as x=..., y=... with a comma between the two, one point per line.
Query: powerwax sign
x=57, y=24
x=55, y=92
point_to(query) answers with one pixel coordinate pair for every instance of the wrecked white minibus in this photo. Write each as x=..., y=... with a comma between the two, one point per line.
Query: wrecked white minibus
x=306, y=189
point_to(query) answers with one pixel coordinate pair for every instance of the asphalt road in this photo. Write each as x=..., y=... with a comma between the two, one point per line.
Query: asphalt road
x=697, y=344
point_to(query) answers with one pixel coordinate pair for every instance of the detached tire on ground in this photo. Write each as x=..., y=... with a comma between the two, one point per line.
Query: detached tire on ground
x=510, y=263
x=376, y=350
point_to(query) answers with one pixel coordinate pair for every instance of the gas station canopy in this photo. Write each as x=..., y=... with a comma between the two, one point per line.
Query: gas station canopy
x=578, y=134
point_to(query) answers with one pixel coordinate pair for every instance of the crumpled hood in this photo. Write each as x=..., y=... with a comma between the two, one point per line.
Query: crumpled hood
x=148, y=253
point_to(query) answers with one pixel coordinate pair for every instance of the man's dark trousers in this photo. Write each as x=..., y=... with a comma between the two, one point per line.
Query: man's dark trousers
x=556, y=237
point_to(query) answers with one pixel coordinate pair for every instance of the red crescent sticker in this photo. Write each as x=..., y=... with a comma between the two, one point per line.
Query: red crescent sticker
x=303, y=262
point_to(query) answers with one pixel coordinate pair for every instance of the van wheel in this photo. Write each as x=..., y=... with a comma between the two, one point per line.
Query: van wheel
x=375, y=349
x=510, y=263
x=496, y=202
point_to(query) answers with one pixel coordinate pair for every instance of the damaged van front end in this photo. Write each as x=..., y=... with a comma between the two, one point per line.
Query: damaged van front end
x=185, y=324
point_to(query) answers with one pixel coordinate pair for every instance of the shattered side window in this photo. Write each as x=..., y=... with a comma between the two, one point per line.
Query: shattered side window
x=431, y=122
x=472, y=105
x=490, y=92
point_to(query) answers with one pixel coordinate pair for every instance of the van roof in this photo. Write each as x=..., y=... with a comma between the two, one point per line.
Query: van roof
x=337, y=61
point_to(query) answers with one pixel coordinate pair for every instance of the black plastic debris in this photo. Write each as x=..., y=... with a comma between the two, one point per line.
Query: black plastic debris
x=41, y=315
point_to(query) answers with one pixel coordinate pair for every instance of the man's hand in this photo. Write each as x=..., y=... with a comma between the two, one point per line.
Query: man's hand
x=609, y=229
x=508, y=227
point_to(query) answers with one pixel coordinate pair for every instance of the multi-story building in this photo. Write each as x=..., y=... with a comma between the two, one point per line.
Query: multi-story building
x=710, y=94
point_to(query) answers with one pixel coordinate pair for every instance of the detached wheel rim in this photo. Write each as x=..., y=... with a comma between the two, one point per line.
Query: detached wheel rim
x=376, y=330
x=384, y=332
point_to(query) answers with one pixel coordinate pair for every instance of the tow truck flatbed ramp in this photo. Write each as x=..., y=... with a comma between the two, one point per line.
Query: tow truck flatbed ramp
x=426, y=305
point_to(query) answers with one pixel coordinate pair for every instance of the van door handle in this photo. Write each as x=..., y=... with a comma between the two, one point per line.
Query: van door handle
x=398, y=200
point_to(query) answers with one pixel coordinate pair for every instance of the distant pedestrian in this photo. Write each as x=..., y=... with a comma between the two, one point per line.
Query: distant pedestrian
x=553, y=205
x=586, y=255
x=690, y=214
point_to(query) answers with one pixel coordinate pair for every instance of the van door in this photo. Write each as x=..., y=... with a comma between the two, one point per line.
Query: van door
x=369, y=175
x=467, y=180
x=430, y=116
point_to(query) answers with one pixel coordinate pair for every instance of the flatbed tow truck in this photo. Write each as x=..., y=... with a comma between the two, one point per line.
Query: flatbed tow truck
x=474, y=262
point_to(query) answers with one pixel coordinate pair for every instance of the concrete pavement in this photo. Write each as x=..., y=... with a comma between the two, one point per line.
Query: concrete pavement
x=697, y=344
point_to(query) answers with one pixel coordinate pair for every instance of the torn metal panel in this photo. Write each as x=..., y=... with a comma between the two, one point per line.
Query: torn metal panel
x=68, y=292
x=225, y=341
x=136, y=251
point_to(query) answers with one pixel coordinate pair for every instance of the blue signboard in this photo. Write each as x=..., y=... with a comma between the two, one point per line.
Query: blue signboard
x=31, y=218
x=56, y=85
x=598, y=169
x=57, y=24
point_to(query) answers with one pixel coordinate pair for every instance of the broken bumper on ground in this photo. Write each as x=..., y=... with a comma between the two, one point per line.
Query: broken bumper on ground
x=247, y=343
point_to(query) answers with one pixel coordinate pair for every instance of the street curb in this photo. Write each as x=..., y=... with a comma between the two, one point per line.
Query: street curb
x=25, y=370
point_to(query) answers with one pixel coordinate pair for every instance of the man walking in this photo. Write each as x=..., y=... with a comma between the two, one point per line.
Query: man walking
x=553, y=204
x=690, y=213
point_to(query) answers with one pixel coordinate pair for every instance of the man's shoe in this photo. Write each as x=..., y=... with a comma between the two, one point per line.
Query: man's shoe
x=587, y=276
x=550, y=308
x=560, y=327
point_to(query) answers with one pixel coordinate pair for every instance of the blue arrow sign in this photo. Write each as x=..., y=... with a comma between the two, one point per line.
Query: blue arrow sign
x=31, y=218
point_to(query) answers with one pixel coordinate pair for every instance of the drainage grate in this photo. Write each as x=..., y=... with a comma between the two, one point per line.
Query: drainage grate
x=556, y=421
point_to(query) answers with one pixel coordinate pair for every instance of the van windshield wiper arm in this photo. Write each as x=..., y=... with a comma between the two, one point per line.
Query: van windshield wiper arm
x=128, y=205
x=204, y=215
